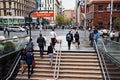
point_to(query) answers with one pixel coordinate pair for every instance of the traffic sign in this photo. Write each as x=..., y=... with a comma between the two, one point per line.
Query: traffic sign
x=43, y=14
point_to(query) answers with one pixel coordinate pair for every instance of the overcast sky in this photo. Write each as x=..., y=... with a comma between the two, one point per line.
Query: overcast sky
x=68, y=4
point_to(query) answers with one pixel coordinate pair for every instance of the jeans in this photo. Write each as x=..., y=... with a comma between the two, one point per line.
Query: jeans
x=51, y=57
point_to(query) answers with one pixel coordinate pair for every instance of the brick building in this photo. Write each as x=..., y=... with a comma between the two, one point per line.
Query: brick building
x=98, y=13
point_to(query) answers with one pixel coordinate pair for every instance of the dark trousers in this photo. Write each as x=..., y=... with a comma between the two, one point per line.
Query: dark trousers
x=53, y=42
x=30, y=70
x=69, y=44
x=41, y=50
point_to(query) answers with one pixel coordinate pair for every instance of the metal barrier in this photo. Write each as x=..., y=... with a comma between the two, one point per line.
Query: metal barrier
x=102, y=63
x=111, y=49
x=9, y=61
x=13, y=44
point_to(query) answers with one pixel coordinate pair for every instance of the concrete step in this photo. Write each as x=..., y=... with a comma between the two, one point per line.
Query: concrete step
x=79, y=57
x=94, y=76
x=81, y=71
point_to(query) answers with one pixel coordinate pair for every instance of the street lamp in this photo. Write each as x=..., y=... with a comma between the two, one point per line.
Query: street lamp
x=85, y=19
x=110, y=7
x=111, y=15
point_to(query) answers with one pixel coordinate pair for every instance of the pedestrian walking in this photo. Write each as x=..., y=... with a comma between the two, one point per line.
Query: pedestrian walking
x=69, y=39
x=50, y=53
x=8, y=31
x=117, y=36
x=29, y=45
x=112, y=35
x=41, y=43
x=23, y=60
x=96, y=36
x=91, y=36
x=29, y=60
x=76, y=36
x=27, y=31
x=5, y=29
x=53, y=37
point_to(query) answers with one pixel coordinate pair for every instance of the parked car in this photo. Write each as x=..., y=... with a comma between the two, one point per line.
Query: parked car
x=16, y=29
x=25, y=27
x=1, y=28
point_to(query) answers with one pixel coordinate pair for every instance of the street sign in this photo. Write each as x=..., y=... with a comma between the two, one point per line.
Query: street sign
x=43, y=14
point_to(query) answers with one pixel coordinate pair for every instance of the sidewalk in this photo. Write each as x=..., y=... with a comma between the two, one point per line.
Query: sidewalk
x=84, y=45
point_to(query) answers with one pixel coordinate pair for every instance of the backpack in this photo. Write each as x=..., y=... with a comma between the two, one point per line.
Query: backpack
x=68, y=37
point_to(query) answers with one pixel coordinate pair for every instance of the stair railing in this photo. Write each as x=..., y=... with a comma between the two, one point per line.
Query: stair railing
x=57, y=64
x=102, y=63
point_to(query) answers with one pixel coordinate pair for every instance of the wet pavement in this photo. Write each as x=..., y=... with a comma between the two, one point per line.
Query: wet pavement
x=84, y=44
x=61, y=35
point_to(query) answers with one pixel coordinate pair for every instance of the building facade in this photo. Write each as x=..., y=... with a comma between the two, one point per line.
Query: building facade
x=98, y=13
x=12, y=12
x=52, y=6
x=68, y=14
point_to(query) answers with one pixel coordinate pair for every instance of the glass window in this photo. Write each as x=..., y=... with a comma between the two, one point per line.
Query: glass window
x=118, y=7
x=100, y=7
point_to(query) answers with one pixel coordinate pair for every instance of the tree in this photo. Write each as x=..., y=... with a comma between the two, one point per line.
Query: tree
x=60, y=20
x=69, y=21
x=116, y=23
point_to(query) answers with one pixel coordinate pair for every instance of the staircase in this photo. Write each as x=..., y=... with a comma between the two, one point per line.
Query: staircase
x=79, y=66
x=113, y=69
x=42, y=71
x=73, y=66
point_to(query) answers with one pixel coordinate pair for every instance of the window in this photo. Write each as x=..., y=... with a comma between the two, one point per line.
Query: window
x=100, y=25
x=118, y=7
x=100, y=7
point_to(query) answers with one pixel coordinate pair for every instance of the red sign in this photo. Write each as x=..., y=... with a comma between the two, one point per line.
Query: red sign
x=40, y=14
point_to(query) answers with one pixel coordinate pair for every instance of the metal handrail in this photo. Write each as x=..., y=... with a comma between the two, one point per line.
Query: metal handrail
x=108, y=50
x=55, y=70
x=13, y=68
x=101, y=64
x=57, y=64
x=9, y=74
x=13, y=38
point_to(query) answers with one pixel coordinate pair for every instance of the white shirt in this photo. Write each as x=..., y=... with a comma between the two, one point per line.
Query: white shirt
x=104, y=31
x=52, y=34
x=116, y=34
x=112, y=34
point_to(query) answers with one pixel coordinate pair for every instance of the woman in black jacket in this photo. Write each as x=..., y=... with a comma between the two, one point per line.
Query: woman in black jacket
x=50, y=53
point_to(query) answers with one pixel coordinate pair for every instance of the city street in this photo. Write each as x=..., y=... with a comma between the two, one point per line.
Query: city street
x=61, y=35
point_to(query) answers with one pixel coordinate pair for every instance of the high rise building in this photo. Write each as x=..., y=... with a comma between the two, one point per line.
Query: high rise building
x=12, y=12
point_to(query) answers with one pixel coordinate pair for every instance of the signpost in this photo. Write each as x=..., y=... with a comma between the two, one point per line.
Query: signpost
x=43, y=14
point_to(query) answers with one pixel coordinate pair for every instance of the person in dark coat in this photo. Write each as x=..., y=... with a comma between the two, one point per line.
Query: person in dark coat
x=29, y=45
x=29, y=60
x=23, y=60
x=50, y=53
x=76, y=36
x=41, y=43
x=91, y=36
x=69, y=39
